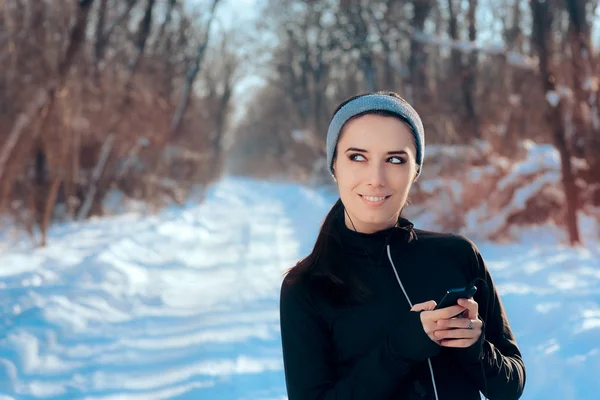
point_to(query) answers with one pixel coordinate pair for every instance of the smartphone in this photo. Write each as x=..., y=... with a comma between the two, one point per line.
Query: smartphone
x=451, y=297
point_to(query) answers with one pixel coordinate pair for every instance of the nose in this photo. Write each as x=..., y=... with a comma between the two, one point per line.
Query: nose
x=376, y=175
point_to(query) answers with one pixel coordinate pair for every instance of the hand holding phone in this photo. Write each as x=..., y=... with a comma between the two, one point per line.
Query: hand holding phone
x=451, y=297
x=463, y=329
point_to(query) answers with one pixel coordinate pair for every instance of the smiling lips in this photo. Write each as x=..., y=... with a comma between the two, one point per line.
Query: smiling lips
x=374, y=200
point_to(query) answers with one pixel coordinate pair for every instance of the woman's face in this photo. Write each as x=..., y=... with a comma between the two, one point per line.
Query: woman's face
x=374, y=168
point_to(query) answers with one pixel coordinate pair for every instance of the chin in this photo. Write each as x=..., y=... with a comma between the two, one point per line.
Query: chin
x=377, y=218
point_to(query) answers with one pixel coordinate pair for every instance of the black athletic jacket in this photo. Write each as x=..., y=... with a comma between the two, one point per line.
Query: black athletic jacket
x=378, y=350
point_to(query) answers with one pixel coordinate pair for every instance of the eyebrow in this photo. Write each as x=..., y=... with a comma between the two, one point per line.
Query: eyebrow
x=365, y=151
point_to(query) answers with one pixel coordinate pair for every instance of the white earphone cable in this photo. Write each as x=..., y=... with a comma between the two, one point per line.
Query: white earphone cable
x=411, y=305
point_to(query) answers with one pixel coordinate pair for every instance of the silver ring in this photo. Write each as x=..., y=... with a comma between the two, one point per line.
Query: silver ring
x=470, y=325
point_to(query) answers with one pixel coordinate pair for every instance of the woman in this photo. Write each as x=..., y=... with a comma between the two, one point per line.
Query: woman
x=357, y=314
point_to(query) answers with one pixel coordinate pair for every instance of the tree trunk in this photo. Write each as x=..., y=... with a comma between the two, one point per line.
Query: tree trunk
x=453, y=32
x=470, y=76
x=360, y=32
x=542, y=38
x=417, y=63
x=49, y=208
x=100, y=43
x=166, y=22
x=587, y=141
x=102, y=35
x=516, y=79
x=143, y=33
x=320, y=72
x=369, y=71
x=96, y=175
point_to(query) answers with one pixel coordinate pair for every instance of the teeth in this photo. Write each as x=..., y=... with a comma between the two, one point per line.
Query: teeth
x=374, y=199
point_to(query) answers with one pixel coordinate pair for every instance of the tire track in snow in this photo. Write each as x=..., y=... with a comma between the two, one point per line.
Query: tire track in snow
x=181, y=305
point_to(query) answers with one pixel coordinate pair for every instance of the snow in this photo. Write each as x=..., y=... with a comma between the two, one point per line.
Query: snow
x=521, y=60
x=553, y=98
x=514, y=99
x=509, y=187
x=539, y=158
x=565, y=91
x=298, y=135
x=184, y=304
x=478, y=173
x=513, y=58
x=463, y=151
x=591, y=83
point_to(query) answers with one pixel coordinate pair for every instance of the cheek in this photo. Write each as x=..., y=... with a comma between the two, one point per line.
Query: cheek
x=347, y=185
x=348, y=177
x=406, y=182
x=401, y=180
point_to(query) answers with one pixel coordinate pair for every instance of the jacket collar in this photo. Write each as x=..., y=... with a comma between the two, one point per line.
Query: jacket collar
x=407, y=230
x=402, y=232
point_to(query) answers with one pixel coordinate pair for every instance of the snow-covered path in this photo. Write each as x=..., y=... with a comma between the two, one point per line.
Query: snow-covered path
x=184, y=305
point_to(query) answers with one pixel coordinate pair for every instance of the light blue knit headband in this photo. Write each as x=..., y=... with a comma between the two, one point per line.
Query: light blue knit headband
x=375, y=102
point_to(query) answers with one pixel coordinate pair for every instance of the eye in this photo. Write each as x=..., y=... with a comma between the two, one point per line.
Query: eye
x=354, y=157
x=397, y=160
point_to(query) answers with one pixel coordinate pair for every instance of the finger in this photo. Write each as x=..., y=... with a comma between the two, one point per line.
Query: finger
x=430, y=305
x=471, y=305
x=458, y=323
x=426, y=306
x=463, y=343
x=457, y=334
x=448, y=312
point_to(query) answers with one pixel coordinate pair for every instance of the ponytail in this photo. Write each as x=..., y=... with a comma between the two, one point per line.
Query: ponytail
x=324, y=269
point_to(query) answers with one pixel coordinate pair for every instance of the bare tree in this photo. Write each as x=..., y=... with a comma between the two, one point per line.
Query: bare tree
x=103, y=34
x=45, y=97
x=191, y=74
x=304, y=65
x=43, y=105
x=470, y=76
x=142, y=34
x=356, y=27
x=221, y=76
x=420, y=92
x=585, y=84
x=388, y=23
x=516, y=79
x=75, y=124
x=543, y=15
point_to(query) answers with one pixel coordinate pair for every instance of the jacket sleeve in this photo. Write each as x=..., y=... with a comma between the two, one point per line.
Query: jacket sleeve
x=309, y=362
x=494, y=361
